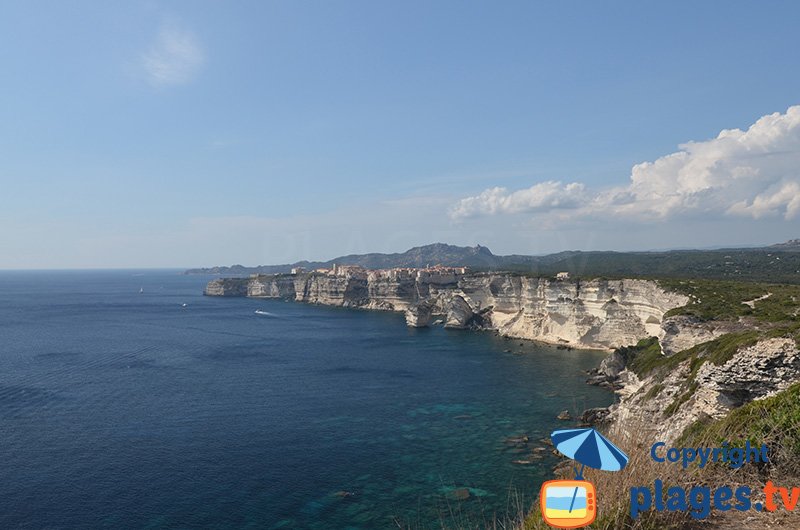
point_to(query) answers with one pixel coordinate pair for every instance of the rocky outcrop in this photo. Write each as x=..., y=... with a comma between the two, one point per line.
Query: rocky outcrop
x=226, y=287
x=756, y=372
x=607, y=374
x=602, y=314
x=683, y=332
x=665, y=404
x=593, y=416
x=459, y=313
x=280, y=287
x=419, y=315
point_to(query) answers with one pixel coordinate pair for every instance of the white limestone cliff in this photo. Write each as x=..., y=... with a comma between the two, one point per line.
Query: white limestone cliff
x=600, y=314
x=665, y=404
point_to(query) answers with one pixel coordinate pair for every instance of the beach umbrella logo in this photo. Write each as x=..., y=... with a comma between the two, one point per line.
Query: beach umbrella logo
x=573, y=503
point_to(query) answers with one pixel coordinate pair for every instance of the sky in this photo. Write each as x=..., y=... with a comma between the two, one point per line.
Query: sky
x=183, y=134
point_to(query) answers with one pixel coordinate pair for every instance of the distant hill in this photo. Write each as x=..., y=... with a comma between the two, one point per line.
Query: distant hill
x=791, y=245
x=777, y=263
x=437, y=253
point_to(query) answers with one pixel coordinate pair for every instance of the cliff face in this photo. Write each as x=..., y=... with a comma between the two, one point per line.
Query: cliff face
x=664, y=405
x=595, y=313
x=591, y=314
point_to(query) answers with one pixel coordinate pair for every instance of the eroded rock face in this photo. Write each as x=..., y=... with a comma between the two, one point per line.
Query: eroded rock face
x=459, y=313
x=282, y=287
x=594, y=416
x=597, y=313
x=682, y=332
x=754, y=373
x=612, y=365
x=607, y=374
x=226, y=287
x=602, y=314
x=663, y=406
x=419, y=315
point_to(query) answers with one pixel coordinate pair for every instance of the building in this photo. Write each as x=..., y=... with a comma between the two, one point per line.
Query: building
x=298, y=270
x=562, y=276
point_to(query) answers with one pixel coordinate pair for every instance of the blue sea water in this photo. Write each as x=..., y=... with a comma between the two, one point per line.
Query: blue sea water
x=121, y=409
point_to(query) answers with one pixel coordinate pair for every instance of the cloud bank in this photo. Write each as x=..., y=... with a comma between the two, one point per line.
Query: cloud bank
x=175, y=57
x=750, y=174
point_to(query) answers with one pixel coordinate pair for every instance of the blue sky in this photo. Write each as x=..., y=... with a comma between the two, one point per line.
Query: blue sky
x=200, y=133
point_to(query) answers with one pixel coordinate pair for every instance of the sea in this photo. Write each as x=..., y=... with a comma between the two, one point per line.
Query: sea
x=130, y=400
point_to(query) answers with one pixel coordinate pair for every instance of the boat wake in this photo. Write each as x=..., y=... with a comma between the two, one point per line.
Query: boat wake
x=265, y=313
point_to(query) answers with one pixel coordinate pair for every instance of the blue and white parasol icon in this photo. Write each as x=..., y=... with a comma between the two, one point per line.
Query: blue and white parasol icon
x=590, y=448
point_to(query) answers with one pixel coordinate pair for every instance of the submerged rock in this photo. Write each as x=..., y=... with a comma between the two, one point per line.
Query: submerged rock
x=564, y=415
x=459, y=494
x=344, y=494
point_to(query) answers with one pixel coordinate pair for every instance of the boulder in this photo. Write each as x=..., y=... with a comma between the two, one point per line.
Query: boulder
x=593, y=416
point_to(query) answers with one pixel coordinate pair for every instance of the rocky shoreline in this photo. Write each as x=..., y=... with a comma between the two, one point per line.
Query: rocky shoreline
x=665, y=402
x=624, y=317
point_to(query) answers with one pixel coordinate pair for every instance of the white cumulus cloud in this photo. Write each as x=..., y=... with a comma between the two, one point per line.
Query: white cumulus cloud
x=174, y=57
x=539, y=197
x=753, y=173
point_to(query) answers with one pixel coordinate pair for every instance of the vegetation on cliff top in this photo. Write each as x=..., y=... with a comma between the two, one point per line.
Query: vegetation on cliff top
x=774, y=421
x=726, y=300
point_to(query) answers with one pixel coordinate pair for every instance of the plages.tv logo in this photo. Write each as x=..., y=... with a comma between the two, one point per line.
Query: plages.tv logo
x=573, y=503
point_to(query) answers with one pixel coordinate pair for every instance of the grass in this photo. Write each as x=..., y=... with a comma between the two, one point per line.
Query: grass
x=673, y=407
x=643, y=357
x=613, y=490
x=645, y=360
x=740, y=265
x=774, y=421
x=653, y=391
x=723, y=300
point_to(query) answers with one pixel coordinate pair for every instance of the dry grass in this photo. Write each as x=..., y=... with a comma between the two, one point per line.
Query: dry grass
x=613, y=489
x=774, y=421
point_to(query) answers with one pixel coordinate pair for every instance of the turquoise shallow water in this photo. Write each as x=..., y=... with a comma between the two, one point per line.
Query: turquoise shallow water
x=128, y=410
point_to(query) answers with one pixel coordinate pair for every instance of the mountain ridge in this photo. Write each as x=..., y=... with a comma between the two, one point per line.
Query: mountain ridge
x=778, y=263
